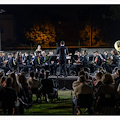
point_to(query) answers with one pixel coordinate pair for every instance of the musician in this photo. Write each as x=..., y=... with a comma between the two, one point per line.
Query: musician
x=12, y=62
x=27, y=62
x=62, y=51
x=75, y=63
x=74, y=58
x=4, y=59
x=105, y=55
x=4, y=56
x=21, y=64
x=85, y=59
x=43, y=61
x=39, y=49
x=37, y=63
x=96, y=62
x=52, y=63
x=80, y=57
x=32, y=58
x=19, y=59
x=8, y=57
x=2, y=66
x=106, y=62
x=114, y=58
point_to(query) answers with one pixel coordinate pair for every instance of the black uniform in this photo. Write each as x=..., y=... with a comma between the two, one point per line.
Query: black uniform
x=62, y=51
x=12, y=64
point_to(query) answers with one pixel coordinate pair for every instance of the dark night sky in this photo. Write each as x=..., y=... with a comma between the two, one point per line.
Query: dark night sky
x=53, y=12
x=70, y=16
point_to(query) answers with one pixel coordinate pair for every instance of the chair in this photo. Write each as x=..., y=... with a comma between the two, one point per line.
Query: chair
x=48, y=89
x=85, y=101
x=106, y=104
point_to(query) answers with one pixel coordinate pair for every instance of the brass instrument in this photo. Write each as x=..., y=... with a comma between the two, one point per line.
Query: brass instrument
x=117, y=45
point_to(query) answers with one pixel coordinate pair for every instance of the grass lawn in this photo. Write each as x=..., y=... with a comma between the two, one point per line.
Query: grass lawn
x=58, y=107
x=61, y=107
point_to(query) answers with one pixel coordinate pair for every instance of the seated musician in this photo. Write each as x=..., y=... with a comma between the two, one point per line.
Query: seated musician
x=75, y=63
x=106, y=62
x=114, y=59
x=37, y=63
x=32, y=58
x=85, y=59
x=27, y=62
x=96, y=62
x=80, y=57
x=2, y=65
x=52, y=63
x=105, y=55
x=12, y=62
x=21, y=64
x=43, y=60
x=77, y=58
x=9, y=55
x=4, y=58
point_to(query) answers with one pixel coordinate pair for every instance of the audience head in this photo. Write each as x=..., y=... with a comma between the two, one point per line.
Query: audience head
x=2, y=81
x=100, y=69
x=99, y=75
x=115, y=70
x=82, y=79
x=47, y=73
x=81, y=73
x=31, y=74
x=36, y=75
x=12, y=75
x=9, y=82
x=107, y=78
x=22, y=79
x=118, y=72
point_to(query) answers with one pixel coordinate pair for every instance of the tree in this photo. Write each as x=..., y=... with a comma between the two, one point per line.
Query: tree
x=42, y=34
x=96, y=39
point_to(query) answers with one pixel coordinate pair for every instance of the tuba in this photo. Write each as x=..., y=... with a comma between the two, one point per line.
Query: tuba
x=117, y=45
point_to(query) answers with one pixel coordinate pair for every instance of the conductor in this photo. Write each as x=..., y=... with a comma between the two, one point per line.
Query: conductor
x=62, y=51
